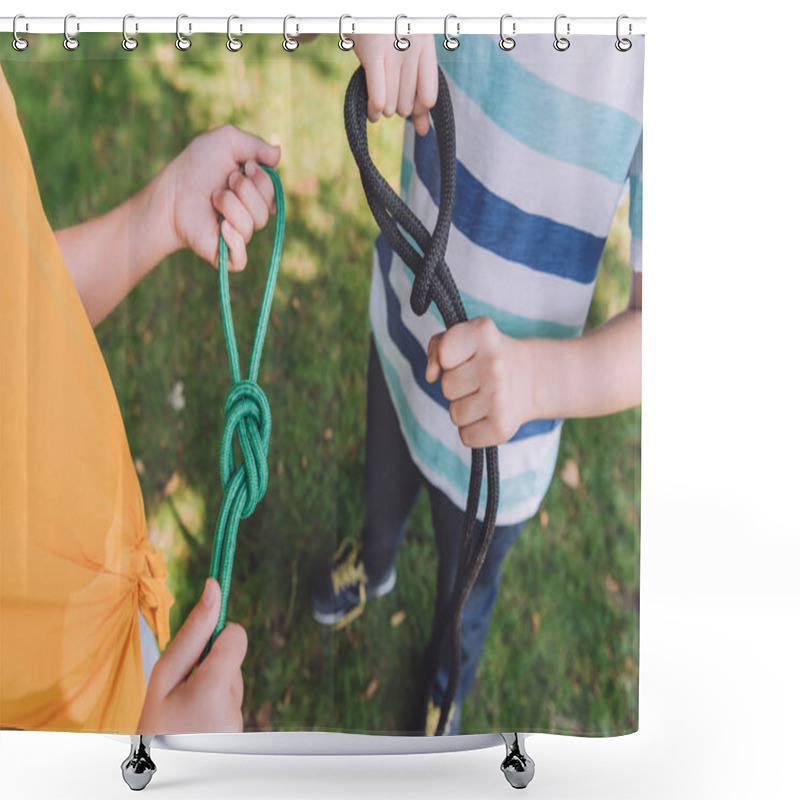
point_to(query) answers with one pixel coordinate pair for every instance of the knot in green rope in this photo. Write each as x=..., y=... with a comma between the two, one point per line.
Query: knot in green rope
x=247, y=414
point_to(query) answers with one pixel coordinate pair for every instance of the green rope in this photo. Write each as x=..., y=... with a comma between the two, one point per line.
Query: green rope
x=247, y=415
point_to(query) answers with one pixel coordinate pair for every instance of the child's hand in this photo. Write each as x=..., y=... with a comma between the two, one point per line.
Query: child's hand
x=485, y=376
x=209, y=700
x=219, y=174
x=403, y=82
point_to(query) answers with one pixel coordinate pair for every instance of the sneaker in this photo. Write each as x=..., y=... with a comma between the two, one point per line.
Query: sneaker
x=341, y=588
x=453, y=724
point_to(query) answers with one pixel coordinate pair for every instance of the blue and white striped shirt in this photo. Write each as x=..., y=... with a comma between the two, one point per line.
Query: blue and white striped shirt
x=546, y=142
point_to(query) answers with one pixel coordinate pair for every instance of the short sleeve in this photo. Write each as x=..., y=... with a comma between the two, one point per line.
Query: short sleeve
x=635, y=207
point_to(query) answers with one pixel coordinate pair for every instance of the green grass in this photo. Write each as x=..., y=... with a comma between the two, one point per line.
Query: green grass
x=562, y=653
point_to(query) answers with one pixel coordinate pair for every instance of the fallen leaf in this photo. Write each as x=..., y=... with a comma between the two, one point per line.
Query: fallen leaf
x=544, y=519
x=535, y=623
x=398, y=619
x=612, y=587
x=570, y=474
x=172, y=484
x=304, y=462
x=139, y=464
x=295, y=304
x=175, y=398
x=328, y=434
x=371, y=689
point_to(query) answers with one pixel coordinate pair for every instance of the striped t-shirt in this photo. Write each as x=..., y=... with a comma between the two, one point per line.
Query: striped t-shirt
x=546, y=143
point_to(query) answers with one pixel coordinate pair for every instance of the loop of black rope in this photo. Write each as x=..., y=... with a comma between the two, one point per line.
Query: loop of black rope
x=432, y=283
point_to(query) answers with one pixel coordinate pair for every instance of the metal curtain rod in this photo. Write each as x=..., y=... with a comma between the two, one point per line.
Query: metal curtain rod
x=298, y=24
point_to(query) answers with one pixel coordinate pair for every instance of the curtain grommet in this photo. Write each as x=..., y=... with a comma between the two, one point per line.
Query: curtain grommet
x=561, y=43
x=401, y=43
x=451, y=42
x=345, y=42
x=507, y=43
x=19, y=44
x=233, y=44
x=70, y=42
x=129, y=43
x=181, y=41
x=622, y=44
x=290, y=44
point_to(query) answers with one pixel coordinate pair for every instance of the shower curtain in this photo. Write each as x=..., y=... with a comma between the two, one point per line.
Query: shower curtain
x=117, y=169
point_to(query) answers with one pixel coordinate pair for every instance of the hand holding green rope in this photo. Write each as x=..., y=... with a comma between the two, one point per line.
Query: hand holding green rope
x=247, y=414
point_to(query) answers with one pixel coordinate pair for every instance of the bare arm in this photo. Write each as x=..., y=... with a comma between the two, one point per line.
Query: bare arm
x=496, y=383
x=598, y=373
x=216, y=175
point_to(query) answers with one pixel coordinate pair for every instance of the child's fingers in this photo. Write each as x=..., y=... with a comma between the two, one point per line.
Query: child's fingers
x=224, y=662
x=458, y=344
x=421, y=123
x=237, y=688
x=434, y=368
x=427, y=82
x=376, y=89
x=480, y=434
x=246, y=190
x=188, y=643
x=392, y=68
x=263, y=183
x=237, y=249
x=407, y=87
x=231, y=207
x=469, y=409
x=461, y=381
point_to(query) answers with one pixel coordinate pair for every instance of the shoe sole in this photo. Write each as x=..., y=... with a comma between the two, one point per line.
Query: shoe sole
x=380, y=590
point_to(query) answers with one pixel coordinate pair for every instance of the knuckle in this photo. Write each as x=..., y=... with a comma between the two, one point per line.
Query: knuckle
x=447, y=386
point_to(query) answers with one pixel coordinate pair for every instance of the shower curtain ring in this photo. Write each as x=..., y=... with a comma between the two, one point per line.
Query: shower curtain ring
x=623, y=45
x=345, y=42
x=451, y=42
x=290, y=44
x=233, y=44
x=507, y=42
x=400, y=42
x=128, y=42
x=19, y=44
x=561, y=43
x=181, y=42
x=70, y=42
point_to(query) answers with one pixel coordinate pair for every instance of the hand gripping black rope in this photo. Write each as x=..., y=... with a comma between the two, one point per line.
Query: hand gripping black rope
x=432, y=282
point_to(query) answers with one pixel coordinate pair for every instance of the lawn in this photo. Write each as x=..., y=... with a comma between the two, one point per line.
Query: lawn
x=562, y=653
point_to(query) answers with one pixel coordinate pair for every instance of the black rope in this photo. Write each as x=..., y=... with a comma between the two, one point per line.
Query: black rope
x=432, y=283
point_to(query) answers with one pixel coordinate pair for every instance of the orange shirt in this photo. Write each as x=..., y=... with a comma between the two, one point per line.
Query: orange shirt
x=75, y=561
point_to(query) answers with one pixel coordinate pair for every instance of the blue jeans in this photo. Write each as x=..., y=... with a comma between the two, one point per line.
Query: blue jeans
x=393, y=484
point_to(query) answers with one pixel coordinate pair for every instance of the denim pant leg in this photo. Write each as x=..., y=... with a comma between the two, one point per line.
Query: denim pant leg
x=392, y=480
x=448, y=521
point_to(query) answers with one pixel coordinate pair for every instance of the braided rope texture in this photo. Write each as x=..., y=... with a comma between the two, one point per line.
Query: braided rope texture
x=433, y=282
x=248, y=419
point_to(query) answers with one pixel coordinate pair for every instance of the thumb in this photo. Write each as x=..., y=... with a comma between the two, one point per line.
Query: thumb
x=184, y=651
x=249, y=147
x=434, y=368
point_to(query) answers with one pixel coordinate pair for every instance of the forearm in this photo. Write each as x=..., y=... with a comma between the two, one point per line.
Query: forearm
x=595, y=374
x=107, y=256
